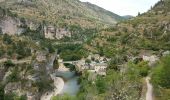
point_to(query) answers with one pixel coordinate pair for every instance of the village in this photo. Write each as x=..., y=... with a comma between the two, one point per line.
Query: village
x=93, y=63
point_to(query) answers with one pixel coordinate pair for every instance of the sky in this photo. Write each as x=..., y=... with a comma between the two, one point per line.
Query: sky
x=124, y=7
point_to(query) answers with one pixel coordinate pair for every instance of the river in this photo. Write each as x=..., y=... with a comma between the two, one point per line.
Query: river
x=71, y=85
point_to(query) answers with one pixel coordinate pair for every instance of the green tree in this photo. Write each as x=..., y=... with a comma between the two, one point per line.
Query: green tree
x=14, y=76
x=56, y=64
x=1, y=52
x=7, y=39
x=101, y=85
x=8, y=63
x=1, y=92
x=161, y=75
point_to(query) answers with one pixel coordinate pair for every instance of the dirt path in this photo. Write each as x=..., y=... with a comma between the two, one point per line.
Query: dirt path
x=149, y=93
x=16, y=61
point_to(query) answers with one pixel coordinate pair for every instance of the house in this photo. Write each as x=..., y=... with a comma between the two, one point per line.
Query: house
x=100, y=68
x=165, y=53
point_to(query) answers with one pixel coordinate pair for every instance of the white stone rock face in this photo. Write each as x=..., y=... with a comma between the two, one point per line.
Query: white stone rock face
x=51, y=32
x=151, y=59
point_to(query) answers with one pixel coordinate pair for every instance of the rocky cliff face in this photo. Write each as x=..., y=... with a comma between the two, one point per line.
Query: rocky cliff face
x=53, y=32
x=10, y=26
x=16, y=26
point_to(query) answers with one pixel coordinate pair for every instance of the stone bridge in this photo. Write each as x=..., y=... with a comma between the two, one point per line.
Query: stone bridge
x=70, y=62
x=62, y=66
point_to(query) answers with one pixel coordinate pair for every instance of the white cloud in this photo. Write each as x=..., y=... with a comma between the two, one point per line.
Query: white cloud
x=124, y=7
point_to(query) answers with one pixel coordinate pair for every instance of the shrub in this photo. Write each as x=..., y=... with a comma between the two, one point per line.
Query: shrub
x=161, y=75
x=8, y=63
x=1, y=92
x=14, y=76
x=7, y=39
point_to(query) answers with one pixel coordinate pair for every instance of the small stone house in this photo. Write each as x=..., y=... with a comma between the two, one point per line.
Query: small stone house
x=100, y=68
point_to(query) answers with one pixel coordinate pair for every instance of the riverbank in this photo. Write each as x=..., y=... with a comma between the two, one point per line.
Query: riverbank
x=59, y=85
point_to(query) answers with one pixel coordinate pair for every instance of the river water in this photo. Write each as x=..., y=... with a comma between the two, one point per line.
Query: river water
x=71, y=85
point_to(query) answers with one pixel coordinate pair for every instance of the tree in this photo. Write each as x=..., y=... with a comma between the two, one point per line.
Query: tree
x=14, y=76
x=161, y=75
x=143, y=68
x=1, y=92
x=8, y=63
x=1, y=31
x=88, y=61
x=1, y=52
x=7, y=39
x=139, y=14
x=101, y=85
x=56, y=64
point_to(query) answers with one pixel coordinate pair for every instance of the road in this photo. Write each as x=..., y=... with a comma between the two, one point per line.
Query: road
x=16, y=61
x=149, y=93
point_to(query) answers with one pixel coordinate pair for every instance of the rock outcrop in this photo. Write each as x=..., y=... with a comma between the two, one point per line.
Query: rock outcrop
x=16, y=26
x=52, y=32
x=13, y=87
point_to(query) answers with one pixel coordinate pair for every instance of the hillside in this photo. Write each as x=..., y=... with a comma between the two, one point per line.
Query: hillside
x=61, y=11
x=65, y=41
x=145, y=35
x=148, y=31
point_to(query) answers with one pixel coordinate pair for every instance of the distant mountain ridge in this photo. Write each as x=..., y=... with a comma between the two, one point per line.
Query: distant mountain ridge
x=127, y=16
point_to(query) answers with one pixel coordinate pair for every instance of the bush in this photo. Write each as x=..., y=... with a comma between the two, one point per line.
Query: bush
x=143, y=68
x=1, y=52
x=8, y=63
x=7, y=39
x=64, y=97
x=161, y=74
x=22, y=50
x=70, y=66
x=14, y=76
x=72, y=52
x=101, y=85
x=1, y=92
